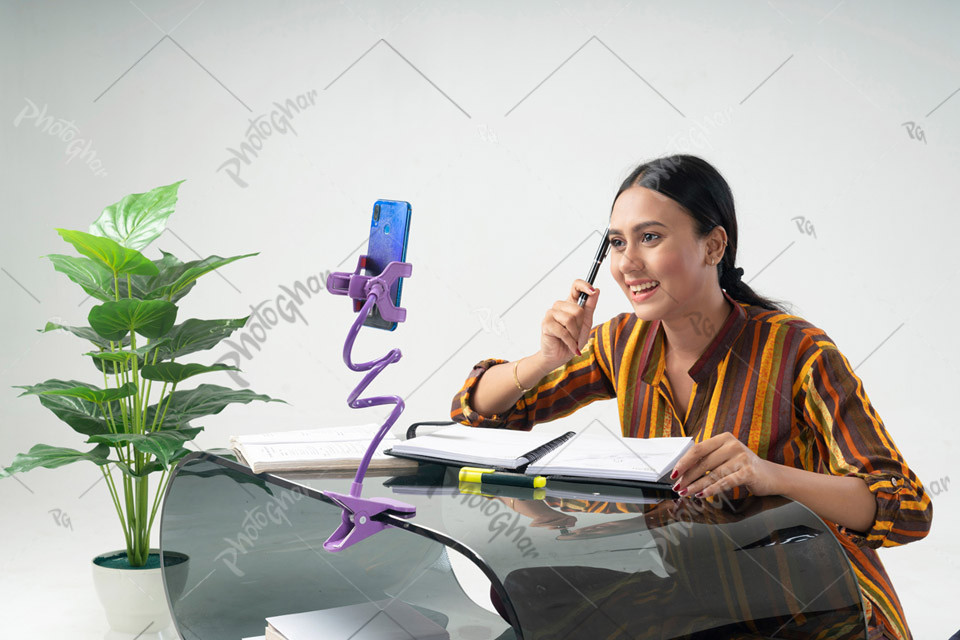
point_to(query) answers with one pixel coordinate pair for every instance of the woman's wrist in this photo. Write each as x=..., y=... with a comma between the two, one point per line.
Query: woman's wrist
x=530, y=370
x=780, y=484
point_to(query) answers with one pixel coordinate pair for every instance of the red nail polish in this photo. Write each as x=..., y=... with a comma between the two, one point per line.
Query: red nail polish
x=699, y=494
x=673, y=476
x=682, y=492
x=675, y=486
x=578, y=352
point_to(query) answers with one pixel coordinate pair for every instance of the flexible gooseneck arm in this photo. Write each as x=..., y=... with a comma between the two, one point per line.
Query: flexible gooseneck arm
x=374, y=367
x=357, y=521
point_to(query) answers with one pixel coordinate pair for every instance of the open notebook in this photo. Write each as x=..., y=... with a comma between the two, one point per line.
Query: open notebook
x=593, y=453
x=602, y=455
x=328, y=448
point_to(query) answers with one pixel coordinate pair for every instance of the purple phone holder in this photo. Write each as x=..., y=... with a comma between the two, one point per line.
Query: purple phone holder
x=359, y=287
x=357, y=521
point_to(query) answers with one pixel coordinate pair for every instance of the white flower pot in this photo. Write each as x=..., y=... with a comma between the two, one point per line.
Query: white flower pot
x=134, y=598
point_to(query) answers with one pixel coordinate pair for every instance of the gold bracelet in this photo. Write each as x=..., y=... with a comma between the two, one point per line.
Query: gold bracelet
x=516, y=378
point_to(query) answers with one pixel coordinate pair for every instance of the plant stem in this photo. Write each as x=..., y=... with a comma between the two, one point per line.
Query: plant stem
x=156, y=415
x=121, y=403
x=116, y=501
x=161, y=487
x=169, y=399
x=135, y=376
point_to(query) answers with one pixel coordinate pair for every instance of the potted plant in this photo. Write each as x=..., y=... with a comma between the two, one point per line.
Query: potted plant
x=140, y=420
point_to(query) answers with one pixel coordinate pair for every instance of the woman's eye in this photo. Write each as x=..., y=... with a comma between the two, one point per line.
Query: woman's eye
x=617, y=243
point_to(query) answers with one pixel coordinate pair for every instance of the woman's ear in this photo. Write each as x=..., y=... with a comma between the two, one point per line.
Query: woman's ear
x=716, y=245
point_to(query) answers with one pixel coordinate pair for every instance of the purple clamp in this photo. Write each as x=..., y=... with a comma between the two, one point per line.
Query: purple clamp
x=359, y=287
x=359, y=524
x=356, y=519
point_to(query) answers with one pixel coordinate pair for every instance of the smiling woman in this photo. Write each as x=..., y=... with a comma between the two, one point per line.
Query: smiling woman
x=773, y=405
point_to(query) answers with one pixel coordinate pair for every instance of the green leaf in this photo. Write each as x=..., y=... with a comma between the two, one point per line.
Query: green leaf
x=162, y=444
x=146, y=470
x=92, y=394
x=187, y=273
x=93, y=277
x=175, y=372
x=115, y=257
x=43, y=455
x=169, y=268
x=139, y=218
x=103, y=360
x=82, y=415
x=198, y=335
x=150, y=318
x=87, y=333
x=123, y=355
x=205, y=400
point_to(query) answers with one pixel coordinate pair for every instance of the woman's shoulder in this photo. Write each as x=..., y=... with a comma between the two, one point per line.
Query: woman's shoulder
x=781, y=322
x=621, y=326
x=802, y=341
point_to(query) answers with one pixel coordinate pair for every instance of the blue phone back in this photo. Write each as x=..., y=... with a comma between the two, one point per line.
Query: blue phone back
x=388, y=243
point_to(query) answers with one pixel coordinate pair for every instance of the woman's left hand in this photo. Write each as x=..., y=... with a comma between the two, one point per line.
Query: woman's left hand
x=721, y=463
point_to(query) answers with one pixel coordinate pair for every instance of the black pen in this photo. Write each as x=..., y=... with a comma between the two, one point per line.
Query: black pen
x=595, y=267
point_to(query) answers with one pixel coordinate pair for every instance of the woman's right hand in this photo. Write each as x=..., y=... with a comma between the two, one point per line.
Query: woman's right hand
x=566, y=326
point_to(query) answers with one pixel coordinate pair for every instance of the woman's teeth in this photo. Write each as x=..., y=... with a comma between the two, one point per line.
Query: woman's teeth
x=644, y=287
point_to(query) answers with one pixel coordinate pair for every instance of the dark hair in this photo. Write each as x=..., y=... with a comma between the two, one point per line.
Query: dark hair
x=698, y=187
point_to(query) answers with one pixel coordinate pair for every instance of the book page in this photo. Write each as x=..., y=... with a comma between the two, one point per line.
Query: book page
x=492, y=447
x=614, y=457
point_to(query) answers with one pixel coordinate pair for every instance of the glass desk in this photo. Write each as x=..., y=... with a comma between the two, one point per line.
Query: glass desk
x=578, y=561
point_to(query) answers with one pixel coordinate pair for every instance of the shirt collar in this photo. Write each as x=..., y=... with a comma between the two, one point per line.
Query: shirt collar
x=652, y=353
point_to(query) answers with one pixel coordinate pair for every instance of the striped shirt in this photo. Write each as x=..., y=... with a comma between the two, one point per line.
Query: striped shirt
x=774, y=381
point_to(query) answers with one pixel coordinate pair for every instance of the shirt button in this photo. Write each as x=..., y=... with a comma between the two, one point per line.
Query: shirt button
x=895, y=481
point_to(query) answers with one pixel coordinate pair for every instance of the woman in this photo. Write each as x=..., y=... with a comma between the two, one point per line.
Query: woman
x=772, y=404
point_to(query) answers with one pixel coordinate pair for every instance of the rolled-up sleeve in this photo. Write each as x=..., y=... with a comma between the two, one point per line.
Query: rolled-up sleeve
x=580, y=381
x=854, y=442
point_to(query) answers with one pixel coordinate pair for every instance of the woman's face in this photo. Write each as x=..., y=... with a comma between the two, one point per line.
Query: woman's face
x=652, y=240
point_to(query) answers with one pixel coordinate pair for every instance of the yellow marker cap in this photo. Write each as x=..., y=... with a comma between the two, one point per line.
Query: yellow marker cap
x=473, y=474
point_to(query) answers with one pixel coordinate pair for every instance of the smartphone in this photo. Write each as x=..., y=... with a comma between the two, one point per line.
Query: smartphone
x=389, y=231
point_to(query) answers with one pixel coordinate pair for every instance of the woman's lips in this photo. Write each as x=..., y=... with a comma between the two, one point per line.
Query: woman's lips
x=643, y=295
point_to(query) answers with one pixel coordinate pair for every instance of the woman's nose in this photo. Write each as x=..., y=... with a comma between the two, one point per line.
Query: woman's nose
x=630, y=260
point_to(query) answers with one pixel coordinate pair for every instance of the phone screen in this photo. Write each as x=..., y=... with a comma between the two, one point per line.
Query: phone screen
x=389, y=231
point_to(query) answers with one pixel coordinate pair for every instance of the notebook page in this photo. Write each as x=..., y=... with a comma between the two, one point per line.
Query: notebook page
x=596, y=455
x=495, y=447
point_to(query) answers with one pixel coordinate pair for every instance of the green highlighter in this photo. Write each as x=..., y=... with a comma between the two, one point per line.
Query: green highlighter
x=492, y=476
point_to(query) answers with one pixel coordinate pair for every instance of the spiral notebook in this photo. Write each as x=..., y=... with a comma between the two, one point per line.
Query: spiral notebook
x=501, y=449
x=595, y=454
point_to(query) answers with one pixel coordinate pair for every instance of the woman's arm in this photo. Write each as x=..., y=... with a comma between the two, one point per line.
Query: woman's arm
x=497, y=390
x=844, y=500
x=857, y=454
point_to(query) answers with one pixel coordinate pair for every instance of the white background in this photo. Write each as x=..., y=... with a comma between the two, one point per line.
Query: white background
x=508, y=126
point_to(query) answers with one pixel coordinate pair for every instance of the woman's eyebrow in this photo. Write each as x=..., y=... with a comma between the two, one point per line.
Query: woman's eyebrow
x=639, y=226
